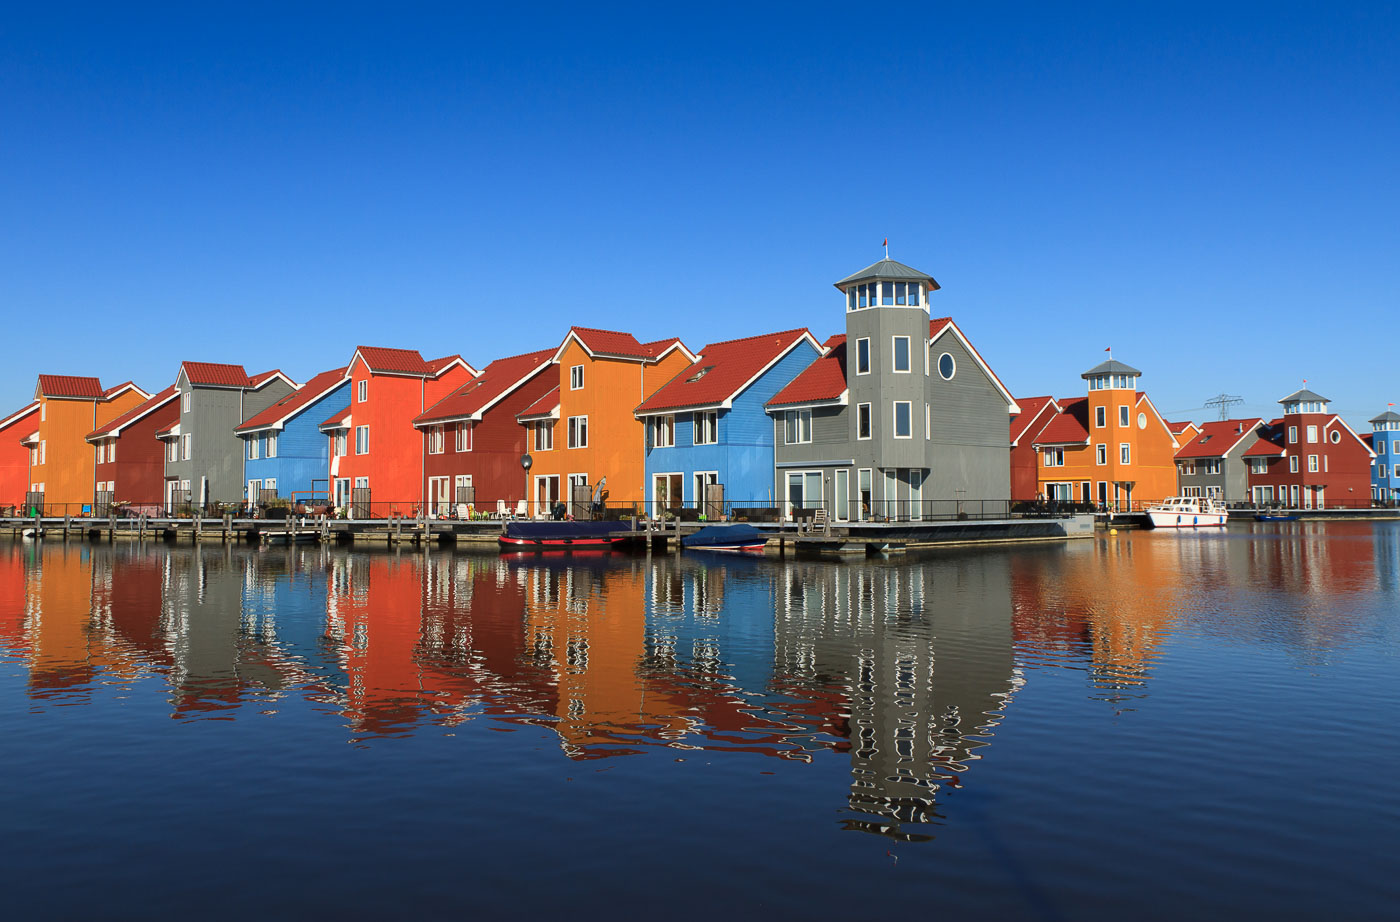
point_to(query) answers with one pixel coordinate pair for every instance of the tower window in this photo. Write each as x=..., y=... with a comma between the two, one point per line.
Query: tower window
x=899, y=293
x=887, y=293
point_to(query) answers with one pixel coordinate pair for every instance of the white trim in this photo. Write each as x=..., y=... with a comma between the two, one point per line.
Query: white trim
x=115, y=433
x=871, y=369
x=1168, y=429
x=728, y=402
x=894, y=356
x=1343, y=423
x=976, y=357
x=894, y=419
x=1025, y=430
x=281, y=423
x=842, y=401
x=871, y=414
x=20, y=414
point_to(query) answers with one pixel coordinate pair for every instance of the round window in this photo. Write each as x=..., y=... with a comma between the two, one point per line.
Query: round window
x=1336, y=436
x=946, y=366
x=1142, y=420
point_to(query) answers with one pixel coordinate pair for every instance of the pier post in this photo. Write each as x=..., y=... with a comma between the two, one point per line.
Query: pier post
x=198, y=526
x=67, y=523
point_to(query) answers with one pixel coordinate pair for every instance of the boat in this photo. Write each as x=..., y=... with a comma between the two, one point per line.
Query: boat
x=560, y=536
x=1274, y=517
x=1188, y=512
x=732, y=538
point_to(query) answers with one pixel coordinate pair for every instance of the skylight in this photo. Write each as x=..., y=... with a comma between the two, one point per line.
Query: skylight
x=699, y=374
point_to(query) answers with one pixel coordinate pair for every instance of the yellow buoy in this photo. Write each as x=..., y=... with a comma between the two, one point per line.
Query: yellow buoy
x=1113, y=531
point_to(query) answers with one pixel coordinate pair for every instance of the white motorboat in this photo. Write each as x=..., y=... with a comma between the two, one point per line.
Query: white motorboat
x=1188, y=512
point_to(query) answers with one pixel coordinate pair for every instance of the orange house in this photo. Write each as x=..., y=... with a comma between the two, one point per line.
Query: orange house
x=1110, y=448
x=585, y=432
x=14, y=454
x=374, y=444
x=62, y=465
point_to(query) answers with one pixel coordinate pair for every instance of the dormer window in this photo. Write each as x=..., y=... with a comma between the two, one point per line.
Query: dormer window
x=699, y=374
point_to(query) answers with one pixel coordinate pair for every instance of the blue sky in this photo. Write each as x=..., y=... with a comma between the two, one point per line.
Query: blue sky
x=1210, y=189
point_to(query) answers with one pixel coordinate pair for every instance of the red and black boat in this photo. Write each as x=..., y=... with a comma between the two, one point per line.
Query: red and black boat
x=561, y=536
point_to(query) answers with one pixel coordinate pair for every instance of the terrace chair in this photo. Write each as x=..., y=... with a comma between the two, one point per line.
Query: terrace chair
x=501, y=509
x=819, y=522
x=521, y=509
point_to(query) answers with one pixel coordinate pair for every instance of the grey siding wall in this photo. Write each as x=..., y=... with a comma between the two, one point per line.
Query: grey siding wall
x=969, y=445
x=216, y=453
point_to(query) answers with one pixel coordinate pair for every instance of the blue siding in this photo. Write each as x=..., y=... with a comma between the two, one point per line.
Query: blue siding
x=1388, y=487
x=743, y=456
x=303, y=450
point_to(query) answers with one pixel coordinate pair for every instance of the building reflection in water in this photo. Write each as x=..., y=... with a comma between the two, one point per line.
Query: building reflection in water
x=904, y=667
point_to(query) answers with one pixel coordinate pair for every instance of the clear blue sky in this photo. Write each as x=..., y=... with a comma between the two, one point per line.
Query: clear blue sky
x=1211, y=189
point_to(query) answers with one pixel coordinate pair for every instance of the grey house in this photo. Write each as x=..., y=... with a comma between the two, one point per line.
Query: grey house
x=1213, y=463
x=203, y=456
x=899, y=419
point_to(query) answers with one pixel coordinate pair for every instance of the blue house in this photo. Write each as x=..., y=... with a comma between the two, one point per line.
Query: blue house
x=284, y=449
x=1385, y=442
x=707, y=425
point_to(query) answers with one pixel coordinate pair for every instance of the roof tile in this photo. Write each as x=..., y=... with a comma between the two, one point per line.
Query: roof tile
x=213, y=374
x=1070, y=426
x=1218, y=437
x=69, y=386
x=821, y=381
x=295, y=402
x=721, y=370
x=546, y=405
x=137, y=412
x=496, y=380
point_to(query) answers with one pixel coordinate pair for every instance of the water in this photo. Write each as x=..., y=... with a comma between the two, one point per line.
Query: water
x=1151, y=725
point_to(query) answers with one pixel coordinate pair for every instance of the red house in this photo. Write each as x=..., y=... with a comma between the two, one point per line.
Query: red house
x=130, y=459
x=375, y=446
x=473, y=443
x=1309, y=458
x=1036, y=413
x=14, y=457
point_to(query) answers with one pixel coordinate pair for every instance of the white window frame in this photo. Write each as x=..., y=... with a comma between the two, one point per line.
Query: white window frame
x=544, y=435
x=362, y=390
x=271, y=448
x=1293, y=464
x=1312, y=464
x=342, y=443
x=576, y=377
x=908, y=358
x=663, y=432
x=869, y=418
x=185, y=402
x=1292, y=435
x=437, y=441
x=1101, y=453
x=362, y=431
x=894, y=419
x=841, y=495
x=1312, y=435
x=796, y=425
x=1125, y=416
x=463, y=437
x=869, y=356
x=1125, y=452
x=578, y=432
x=1100, y=417
x=705, y=423
x=186, y=448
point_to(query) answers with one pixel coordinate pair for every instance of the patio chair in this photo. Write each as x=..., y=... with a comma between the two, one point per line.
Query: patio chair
x=521, y=509
x=500, y=509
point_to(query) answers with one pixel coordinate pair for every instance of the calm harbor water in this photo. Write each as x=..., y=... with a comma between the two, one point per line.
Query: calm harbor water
x=1149, y=724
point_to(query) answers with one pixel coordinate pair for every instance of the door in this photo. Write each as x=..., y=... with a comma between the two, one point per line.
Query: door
x=439, y=496
x=342, y=492
x=702, y=480
x=840, y=507
x=546, y=494
x=254, y=494
x=916, y=495
x=892, y=509
x=666, y=492
x=867, y=494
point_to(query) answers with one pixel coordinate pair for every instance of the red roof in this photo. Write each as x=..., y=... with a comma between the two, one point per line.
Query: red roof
x=1031, y=408
x=542, y=407
x=212, y=374
x=1178, y=428
x=69, y=386
x=20, y=414
x=1070, y=426
x=130, y=416
x=1217, y=438
x=621, y=345
x=381, y=360
x=1270, y=444
x=723, y=370
x=117, y=389
x=337, y=421
x=656, y=349
x=823, y=380
x=257, y=381
x=498, y=379
x=294, y=402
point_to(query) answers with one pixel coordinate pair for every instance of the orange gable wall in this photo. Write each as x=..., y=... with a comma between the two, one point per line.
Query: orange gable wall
x=14, y=459
x=616, y=439
x=394, y=464
x=69, y=469
x=1152, y=465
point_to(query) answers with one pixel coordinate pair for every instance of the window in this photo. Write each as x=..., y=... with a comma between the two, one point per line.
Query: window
x=797, y=427
x=1142, y=420
x=903, y=420
x=270, y=486
x=1054, y=457
x=544, y=436
x=1382, y=471
x=362, y=391
x=1125, y=454
x=863, y=356
x=43, y=414
x=1100, y=417
x=1395, y=448
x=253, y=444
x=863, y=421
x=1312, y=434
x=928, y=423
x=1101, y=454
x=578, y=431
x=842, y=496
x=272, y=444
x=1123, y=417
x=886, y=293
x=901, y=355
x=172, y=450
x=1335, y=436
x=1258, y=465
x=187, y=446
x=464, y=437
x=1312, y=464
x=111, y=451
x=576, y=377
x=1210, y=466
x=185, y=402
x=1292, y=434
x=707, y=427
x=362, y=440
x=43, y=451
x=340, y=444
x=663, y=431
x=947, y=367
x=101, y=453
x=1293, y=465
x=436, y=441
x=1380, y=446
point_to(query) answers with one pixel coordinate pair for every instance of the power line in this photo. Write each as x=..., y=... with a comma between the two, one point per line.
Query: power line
x=1224, y=402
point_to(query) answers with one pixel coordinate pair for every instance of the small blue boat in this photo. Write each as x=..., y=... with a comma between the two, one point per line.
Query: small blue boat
x=733, y=538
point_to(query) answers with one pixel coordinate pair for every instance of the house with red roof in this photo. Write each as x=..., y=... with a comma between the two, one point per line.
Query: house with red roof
x=285, y=454
x=130, y=459
x=899, y=419
x=474, y=442
x=1309, y=458
x=1110, y=448
x=1213, y=463
x=62, y=469
x=15, y=429
x=377, y=457
x=1183, y=432
x=1026, y=426
x=203, y=454
x=707, y=427
x=585, y=438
